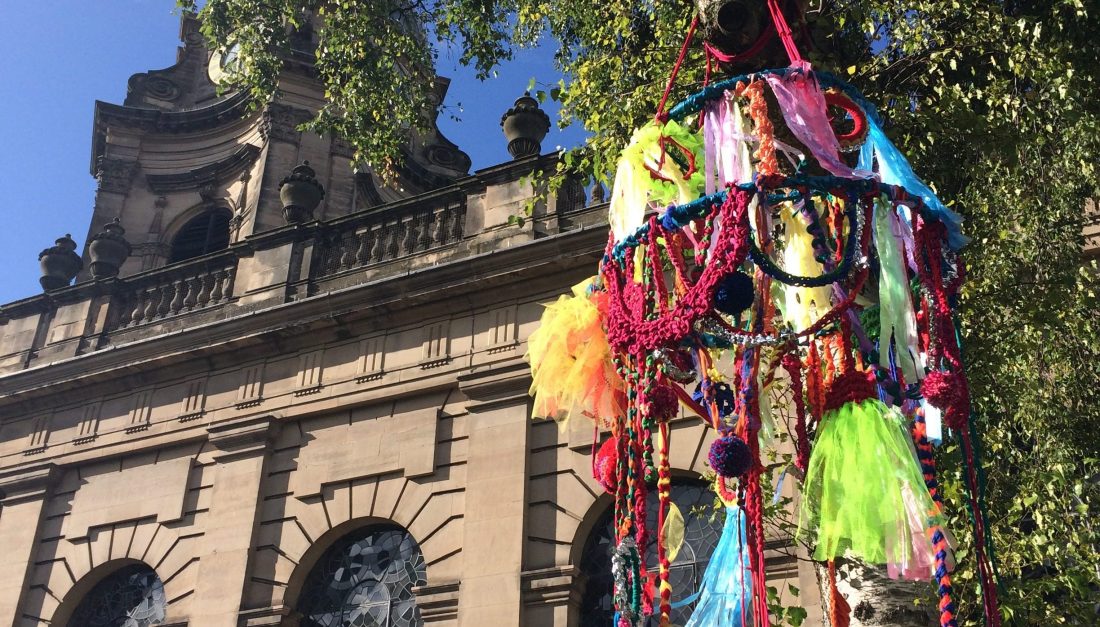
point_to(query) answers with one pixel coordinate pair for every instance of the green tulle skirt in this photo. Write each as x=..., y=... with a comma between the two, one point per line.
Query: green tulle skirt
x=864, y=494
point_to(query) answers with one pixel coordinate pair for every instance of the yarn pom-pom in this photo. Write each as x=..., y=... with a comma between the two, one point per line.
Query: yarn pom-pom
x=734, y=294
x=948, y=392
x=730, y=456
x=607, y=462
x=663, y=402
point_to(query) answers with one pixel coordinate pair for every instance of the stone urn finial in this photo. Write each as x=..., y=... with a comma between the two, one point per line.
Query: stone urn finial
x=525, y=125
x=59, y=263
x=108, y=250
x=301, y=193
x=599, y=194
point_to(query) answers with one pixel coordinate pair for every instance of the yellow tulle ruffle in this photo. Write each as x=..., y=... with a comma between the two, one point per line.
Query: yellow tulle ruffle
x=635, y=184
x=571, y=368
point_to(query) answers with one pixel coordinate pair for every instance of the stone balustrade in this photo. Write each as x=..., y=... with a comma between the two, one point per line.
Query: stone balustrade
x=376, y=237
x=174, y=290
x=289, y=263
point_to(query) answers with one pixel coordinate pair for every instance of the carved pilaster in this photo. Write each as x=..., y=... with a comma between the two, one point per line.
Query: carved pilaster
x=116, y=175
x=240, y=452
x=26, y=483
x=558, y=585
x=23, y=495
x=496, y=493
x=242, y=437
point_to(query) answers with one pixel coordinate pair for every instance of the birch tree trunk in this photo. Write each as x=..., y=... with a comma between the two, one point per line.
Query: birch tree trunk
x=878, y=601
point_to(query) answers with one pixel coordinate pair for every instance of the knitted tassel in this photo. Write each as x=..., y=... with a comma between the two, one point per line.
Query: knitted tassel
x=897, y=320
x=726, y=590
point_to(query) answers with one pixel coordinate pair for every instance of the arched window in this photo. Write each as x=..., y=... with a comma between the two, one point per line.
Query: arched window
x=205, y=233
x=365, y=580
x=132, y=596
x=702, y=528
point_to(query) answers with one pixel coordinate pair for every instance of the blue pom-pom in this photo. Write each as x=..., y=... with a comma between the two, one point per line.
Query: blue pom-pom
x=730, y=456
x=734, y=294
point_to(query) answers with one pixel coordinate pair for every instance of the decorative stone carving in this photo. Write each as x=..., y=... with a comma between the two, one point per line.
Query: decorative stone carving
x=115, y=175
x=300, y=192
x=448, y=156
x=108, y=250
x=177, y=290
x=147, y=85
x=280, y=123
x=381, y=237
x=525, y=125
x=59, y=263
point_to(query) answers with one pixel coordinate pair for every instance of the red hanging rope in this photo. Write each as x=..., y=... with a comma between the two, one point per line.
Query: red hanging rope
x=784, y=32
x=662, y=115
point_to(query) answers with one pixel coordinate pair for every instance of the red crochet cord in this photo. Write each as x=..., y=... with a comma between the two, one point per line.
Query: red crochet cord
x=629, y=332
x=752, y=51
x=815, y=388
x=802, y=441
x=754, y=511
x=839, y=610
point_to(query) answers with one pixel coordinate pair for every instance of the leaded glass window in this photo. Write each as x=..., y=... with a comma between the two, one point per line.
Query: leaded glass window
x=205, y=233
x=702, y=528
x=130, y=597
x=365, y=580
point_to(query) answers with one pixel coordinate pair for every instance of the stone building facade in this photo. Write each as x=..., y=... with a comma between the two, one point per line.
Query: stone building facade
x=318, y=423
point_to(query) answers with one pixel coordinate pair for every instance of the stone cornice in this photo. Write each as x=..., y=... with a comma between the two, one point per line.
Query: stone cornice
x=215, y=172
x=228, y=110
x=437, y=602
x=455, y=279
x=557, y=585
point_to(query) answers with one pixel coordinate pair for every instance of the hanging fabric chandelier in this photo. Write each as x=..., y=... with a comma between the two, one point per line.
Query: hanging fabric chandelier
x=753, y=242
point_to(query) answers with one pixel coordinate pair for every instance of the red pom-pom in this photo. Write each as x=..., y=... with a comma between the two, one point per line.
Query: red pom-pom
x=663, y=402
x=607, y=464
x=950, y=393
x=853, y=386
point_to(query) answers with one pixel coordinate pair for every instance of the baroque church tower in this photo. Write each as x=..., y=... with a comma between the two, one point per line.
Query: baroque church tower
x=281, y=394
x=176, y=156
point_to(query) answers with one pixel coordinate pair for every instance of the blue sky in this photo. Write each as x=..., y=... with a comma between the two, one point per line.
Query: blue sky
x=62, y=55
